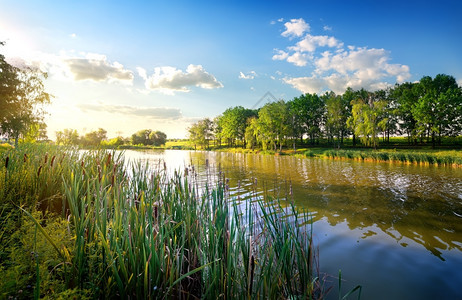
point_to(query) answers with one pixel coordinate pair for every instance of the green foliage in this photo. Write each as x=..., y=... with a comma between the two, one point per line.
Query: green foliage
x=368, y=118
x=21, y=95
x=273, y=124
x=200, y=133
x=114, y=143
x=31, y=258
x=67, y=137
x=233, y=123
x=431, y=109
x=149, y=137
x=94, y=138
x=309, y=110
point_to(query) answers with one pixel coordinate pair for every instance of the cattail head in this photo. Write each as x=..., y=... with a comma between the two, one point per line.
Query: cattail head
x=6, y=162
x=52, y=160
x=108, y=160
x=99, y=173
x=39, y=171
x=25, y=157
x=156, y=212
x=112, y=180
x=46, y=157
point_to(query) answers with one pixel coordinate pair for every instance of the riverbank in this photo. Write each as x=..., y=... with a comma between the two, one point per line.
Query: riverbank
x=439, y=157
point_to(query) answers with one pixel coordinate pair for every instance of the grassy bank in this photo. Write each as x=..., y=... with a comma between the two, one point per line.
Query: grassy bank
x=439, y=157
x=76, y=225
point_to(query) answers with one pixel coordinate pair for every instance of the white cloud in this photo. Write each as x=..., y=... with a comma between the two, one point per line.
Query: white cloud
x=281, y=20
x=306, y=84
x=338, y=67
x=327, y=28
x=296, y=27
x=310, y=42
x=73, y=35
x=459, y=82
x=366, y=64
x=299, y=59
x=281, y=55
x=169, y=79
x=160, y=113
x=142, y=72
x=96, y=67
x=250, y=75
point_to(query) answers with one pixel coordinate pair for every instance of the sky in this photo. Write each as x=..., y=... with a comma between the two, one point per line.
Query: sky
x=163, y=65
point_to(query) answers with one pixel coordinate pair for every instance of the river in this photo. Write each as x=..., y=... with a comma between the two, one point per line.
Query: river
x=395, y=229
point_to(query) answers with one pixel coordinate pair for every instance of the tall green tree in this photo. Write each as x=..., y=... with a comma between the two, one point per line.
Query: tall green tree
x=158, y=138
x=67, y=137
x=406, y=96
x=336, y=116
x=200, y=133
x=217, y=130
x=309, y=109
x=368, y=118
x=438, y=108
x=21, y=95
x=94, y=138
x=142, y=137
x=233, y=123
x=252, y=133
x=274, y=124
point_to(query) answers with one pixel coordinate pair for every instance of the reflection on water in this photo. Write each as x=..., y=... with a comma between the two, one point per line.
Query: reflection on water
x=382, y=224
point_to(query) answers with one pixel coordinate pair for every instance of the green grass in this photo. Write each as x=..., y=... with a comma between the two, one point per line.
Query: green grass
x=146, y=235
x=423, y=157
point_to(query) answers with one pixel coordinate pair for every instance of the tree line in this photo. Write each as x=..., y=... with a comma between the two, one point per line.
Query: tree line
x=423, y=111
x=98, y=137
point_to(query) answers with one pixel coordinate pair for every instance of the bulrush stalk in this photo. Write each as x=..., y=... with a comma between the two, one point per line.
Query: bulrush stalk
x=138, y=233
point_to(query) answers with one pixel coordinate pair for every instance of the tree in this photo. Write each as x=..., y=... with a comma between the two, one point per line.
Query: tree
x=233, y=123
x=94, y=138
x=439, y=106
x=310, y=110
x=336, y=116
x=67, y=137
x=158, y=138
x=274, y=124
x=142, y=137
x=200, y=133
x=368, y=118
x=252, y=132
x=406, y=96
x=21, y=94
x=217, y=130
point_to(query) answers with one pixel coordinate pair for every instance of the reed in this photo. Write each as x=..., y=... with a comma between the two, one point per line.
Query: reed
x=135, y=232
x=448, y=158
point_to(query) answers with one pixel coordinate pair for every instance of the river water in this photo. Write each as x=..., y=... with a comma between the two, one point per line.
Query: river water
x=395, y=229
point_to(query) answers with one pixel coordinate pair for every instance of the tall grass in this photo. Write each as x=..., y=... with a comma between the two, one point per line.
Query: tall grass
x=138, y=233
x=444, y=158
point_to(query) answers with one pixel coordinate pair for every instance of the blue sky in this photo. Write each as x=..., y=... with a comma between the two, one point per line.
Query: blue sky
x=130, y=65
